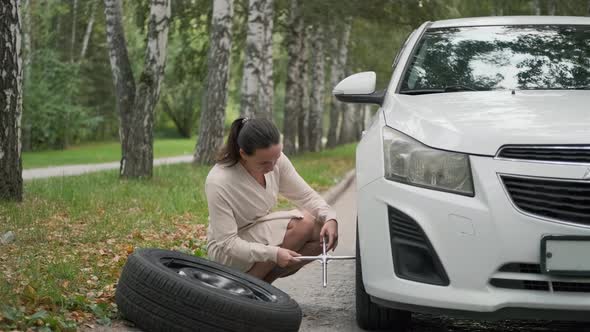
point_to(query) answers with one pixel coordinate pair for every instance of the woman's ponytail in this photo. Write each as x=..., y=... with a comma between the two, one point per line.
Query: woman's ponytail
x=257, y=134
x=230, y=152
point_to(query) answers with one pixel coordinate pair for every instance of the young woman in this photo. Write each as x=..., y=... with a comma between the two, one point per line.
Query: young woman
x=241, y=190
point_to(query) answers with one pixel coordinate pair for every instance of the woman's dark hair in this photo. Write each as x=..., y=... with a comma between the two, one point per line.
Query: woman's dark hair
x=249, y=135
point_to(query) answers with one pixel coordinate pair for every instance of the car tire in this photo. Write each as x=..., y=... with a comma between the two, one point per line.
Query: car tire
x=163, y=290
x=369, y=315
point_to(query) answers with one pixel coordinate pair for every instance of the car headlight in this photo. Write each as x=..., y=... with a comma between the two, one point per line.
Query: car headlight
x=411, y=162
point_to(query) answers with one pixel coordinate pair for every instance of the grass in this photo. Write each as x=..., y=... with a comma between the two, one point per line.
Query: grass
x=101, y=153
x=74, y=234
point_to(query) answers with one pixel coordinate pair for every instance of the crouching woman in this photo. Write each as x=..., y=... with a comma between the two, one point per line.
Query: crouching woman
x=242, y=189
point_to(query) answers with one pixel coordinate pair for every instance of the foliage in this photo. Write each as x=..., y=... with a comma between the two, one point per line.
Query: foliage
x=80, y=93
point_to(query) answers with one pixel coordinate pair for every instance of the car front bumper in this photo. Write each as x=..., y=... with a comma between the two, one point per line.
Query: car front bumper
x=474, y=238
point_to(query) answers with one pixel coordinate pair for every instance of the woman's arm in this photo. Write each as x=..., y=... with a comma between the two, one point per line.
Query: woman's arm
x=294, y=188
x=224, y=230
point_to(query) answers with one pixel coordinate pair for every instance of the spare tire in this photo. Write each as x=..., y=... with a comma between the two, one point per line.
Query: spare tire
x=163, y=290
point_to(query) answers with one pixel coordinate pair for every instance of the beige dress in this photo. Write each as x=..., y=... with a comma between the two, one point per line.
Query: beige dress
x=242, y=230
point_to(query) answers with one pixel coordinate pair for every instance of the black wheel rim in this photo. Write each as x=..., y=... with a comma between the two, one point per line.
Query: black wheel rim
x=218, y=279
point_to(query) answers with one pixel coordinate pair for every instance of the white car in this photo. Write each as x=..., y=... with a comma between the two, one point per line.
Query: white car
x=473, y=179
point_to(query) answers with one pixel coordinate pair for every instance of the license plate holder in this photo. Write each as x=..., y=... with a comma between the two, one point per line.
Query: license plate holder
x=565, y=255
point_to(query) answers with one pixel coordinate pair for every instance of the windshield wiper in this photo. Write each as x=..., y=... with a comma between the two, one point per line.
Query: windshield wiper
x=458, y=87
x=450, y=88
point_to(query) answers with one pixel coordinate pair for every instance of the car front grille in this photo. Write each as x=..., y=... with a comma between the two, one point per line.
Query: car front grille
x=561, y=154
x=559, y=199
x=520, y=281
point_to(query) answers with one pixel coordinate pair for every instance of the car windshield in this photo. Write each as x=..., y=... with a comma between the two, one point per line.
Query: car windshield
x=500, y=57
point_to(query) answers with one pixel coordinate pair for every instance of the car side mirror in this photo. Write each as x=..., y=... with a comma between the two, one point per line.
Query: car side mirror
x=359, y=88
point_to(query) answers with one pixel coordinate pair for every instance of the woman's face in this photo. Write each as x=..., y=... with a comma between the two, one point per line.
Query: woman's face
x=263, y=160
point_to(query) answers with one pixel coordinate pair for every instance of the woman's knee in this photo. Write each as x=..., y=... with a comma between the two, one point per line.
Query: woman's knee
x=308, y=225
x=302, y=228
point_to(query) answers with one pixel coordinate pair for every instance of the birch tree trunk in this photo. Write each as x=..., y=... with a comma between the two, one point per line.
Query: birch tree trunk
x=339, y=60
x=11, y=182
x=89, y=27
x=26, y=9
x=347, y=129
x=213, y=115
x=360, y=121
x=136, y=107
x=294, y=84
x=266, y=93
x=256, y=98
x=303, y=116
x=73, y=40
x=537, y=7
x=551, y=7
x=317, y=91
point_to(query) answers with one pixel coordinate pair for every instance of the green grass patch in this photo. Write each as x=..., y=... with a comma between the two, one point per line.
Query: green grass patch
x=74, y=234
x=101, y=153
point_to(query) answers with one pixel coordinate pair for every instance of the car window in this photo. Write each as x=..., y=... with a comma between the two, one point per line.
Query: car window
x=500, y=57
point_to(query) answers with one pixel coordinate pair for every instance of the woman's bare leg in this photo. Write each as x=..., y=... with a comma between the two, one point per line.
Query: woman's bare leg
x=299, y=232
x=313, y=247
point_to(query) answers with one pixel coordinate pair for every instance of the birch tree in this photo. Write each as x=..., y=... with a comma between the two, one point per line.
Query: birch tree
x=73, y=39
x=551, y=7
x=257, y=85
x=317, y=91
x=303, y=116
x=339, y=59
x=294, y=84
x=348, y=127
x=136, y=103
x=11, y=182
x=89, y=27
x=213, y=115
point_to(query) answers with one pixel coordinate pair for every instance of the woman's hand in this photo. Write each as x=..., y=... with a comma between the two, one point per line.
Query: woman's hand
x=330, y=229
x=286, y=257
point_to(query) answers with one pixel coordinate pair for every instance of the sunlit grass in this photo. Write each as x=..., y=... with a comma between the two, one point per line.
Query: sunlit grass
x=101, y=153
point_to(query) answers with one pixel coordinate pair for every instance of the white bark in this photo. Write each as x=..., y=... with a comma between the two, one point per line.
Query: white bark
x=148, y=92
x=89, y=28
x=317, y=91
x=11, y=74
x=551, y=7
x=73, y=40
x=348, y=127
x=339, y=60
x=293, y=86
x=213, y=115
x=303, y=117
x=256, y=98
x=27, y=25
x=266, y=83
x=136, y=107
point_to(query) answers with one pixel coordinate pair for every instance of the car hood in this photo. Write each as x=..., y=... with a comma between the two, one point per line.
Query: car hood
x=481, y=122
